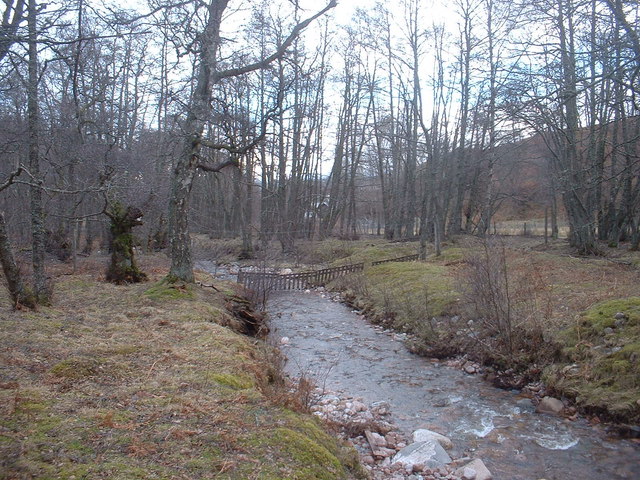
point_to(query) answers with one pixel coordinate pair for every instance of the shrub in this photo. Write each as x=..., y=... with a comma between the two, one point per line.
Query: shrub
x=509, y=304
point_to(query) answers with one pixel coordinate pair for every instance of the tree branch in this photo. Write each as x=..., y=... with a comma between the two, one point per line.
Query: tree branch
x=11, y=180
x=232, y=148
x=234, y=72
x=207, y=167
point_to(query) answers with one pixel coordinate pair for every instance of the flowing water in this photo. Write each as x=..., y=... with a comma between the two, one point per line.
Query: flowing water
x=343, y=353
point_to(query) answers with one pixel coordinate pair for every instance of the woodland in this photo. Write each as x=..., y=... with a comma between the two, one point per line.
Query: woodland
x=276, y=121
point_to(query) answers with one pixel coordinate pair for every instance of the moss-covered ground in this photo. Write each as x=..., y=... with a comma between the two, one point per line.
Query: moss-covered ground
x=601, y=368
x=148, y=381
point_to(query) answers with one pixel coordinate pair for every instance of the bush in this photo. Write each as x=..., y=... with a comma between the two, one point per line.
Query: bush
x=510, y=307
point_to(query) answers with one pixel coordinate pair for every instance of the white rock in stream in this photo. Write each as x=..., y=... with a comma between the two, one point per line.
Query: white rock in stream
x=429, y=453
x=478, y=467
x=423, y=435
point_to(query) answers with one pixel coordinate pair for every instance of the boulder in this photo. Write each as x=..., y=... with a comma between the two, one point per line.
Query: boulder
x=429, y=453
x=471, y=368
x=423, y=435
x=475, y=470
x=550, y=405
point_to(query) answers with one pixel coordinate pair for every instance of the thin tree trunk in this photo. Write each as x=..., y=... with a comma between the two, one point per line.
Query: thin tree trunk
x=38, y=233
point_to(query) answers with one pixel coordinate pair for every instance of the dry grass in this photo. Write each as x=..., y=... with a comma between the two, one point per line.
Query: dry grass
x=144, y=381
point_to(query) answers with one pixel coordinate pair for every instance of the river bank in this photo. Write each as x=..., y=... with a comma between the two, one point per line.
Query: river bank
x=342, y=353
x=150, y=381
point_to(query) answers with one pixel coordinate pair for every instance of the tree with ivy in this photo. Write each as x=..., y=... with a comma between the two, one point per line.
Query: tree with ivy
x=123, y=268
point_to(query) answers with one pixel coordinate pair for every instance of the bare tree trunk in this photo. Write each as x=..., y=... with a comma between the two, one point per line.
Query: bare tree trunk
x=20, y=294
x=197, y=116
x=582, y=236
x=41, y=289
x=466, y=51
x=185, y=167
x=247, y=210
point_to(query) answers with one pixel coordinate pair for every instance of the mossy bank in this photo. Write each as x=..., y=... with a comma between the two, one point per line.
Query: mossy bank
x=601, y=367
x=149, y=381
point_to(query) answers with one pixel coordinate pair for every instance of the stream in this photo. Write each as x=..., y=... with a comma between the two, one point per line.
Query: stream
x=343, y=353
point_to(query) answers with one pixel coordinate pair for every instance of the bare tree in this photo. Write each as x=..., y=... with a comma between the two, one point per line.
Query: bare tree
x=208, y=73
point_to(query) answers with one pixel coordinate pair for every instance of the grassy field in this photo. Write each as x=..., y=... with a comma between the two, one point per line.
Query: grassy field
x=149, y=381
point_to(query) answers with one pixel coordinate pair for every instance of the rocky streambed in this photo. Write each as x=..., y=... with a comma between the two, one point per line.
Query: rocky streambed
x=358, y=367
x=389, y=453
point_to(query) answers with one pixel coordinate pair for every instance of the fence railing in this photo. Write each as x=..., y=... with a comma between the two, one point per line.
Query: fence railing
x=270, y=282
x=267, y=281
x=407, y=258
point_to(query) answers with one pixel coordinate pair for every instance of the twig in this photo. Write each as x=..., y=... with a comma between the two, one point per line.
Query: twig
x=152, y=367
x=200, y=284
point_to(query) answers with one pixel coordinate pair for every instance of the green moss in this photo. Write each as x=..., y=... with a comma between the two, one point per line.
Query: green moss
x=602, y=315
x=29, y=403
x=46, y=426
x=79, y=446
x=166, y=290
x=75, y=368
x=317, y=461
x=124, y=470
x=295, y=446
x=205, y=460
x=236, y=382
x=607, y=378
x=185, y=412
x=203, y=313
x=310, y=428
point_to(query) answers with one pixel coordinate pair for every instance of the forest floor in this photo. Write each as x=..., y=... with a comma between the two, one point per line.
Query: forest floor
x=150, y=381
x=524, y=309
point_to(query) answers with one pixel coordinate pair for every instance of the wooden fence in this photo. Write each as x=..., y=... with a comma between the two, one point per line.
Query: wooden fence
x=266, y=282
x=408, y=258
x=270, y=282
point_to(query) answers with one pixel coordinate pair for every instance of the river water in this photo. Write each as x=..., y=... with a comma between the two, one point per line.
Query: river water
x=343, y=353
